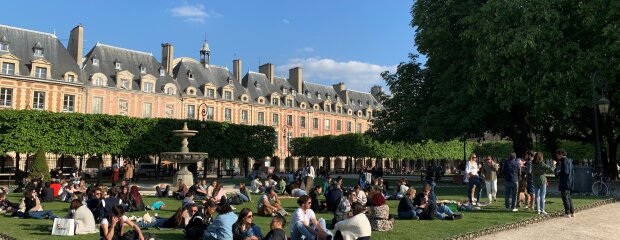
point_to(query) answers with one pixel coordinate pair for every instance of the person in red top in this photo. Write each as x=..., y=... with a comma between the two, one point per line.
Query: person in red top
x=115, y=174
x=56, y=186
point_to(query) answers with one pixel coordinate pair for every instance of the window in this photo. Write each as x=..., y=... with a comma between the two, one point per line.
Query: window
x=315, y=123
x=294, y=92
x=38, y=102
x=117, y=66
x=191, y=112
x=40, y=72
x=98, y=105
x=70, y=78
x=276, y=119
x=4, y=47
x=228, y=115
x=98, y=82
x=302, y=122
x=210, y=113
x=261, y=118
x=289, y=120
x=8, y=68
x=162, y=72
x=170, y=91
x=349, y=127
x=302, y=134
x=228, y=95
x=327, y=124
x=169, y=110
x=124, y=84
x=289, y=102
x=244, y=116
x=359, y=128
x=210, y=93
x=328, y=107
x=275, y=101
x=68, y=104
x=142, y=69
x=123, y=107
x=95, y=62
x=6, y=97
x=338, y=125
x=289, y=136
x=308, y=95
x=147, y=109
x=284, y=91
x=38, y=52
x=149, y=87
x=190, y=75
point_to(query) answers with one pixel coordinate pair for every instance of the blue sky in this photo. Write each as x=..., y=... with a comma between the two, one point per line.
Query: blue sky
x=334, y=41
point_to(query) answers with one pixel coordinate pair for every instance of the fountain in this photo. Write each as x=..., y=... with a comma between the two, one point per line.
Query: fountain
x=184, y=158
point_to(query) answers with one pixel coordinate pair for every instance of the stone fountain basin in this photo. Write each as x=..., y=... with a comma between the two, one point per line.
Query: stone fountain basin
x=184, y=157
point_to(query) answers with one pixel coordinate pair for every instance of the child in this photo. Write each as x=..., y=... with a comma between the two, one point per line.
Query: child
x=5, y=205
x=277, y=232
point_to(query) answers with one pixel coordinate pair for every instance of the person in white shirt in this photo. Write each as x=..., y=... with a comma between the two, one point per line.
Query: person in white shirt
x=471, y=169
x=304, y=222
x=256, y=186
x=355, y=227
x=310, y=175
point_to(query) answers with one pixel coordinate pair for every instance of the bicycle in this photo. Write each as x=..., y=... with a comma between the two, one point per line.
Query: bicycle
x=599, y=187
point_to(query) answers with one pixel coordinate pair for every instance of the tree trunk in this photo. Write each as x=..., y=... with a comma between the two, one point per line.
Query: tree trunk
x=613, y=158
x=17, y=158
x=100, y=174
x=521, y=134
x=81, y=163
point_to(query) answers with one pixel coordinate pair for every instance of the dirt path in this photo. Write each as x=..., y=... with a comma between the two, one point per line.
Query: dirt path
x=597, y=223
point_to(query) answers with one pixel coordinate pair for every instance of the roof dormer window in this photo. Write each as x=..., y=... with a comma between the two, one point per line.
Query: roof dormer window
x=294, y=92
x=318, y=96
x=284, y=91
x=142, y=69
x=4, y=46
x=38, y=50
x=95, y=61
x=162, y=72
x=117, y=65
x=190, y=75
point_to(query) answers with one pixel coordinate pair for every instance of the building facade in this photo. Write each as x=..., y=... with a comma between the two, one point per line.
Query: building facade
x=39, y=72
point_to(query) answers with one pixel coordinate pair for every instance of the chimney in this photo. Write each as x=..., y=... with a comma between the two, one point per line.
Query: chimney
x=376, y=91
x=341, y=89
x=267, y=69
x=237, y=69
x=76, y=43
x=295, y=78
x=167, y=55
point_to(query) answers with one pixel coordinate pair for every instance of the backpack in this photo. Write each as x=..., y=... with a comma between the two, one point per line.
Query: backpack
x=235, y=200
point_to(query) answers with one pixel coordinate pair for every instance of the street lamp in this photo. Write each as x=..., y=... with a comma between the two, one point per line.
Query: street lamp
x=601, y=106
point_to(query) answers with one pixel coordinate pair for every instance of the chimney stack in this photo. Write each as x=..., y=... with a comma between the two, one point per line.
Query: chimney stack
x=267, y=69
x=376, y=91
x=237, y=69
x=295, y=78
x=167, y=56
x=76, y=43
x=341, y=89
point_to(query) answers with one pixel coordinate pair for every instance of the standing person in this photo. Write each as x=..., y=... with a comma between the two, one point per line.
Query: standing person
x=539, y=181
x=565, y=173
x=529, y=189
x=244, y=228
x=511, y=172
x=310, y=175
x=129, y=168
x=256, y=169
x=471, y=168
x=304, y=222
x=115, y=174
x=489, y=171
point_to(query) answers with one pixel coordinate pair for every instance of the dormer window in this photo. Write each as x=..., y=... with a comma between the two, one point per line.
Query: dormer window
x=230, y=82
x=170, y=91
x=4, y=46
x=308, y=95
x=149, y=87
x=124, y=84
x=257, y=84
x=70, y=78
x=294, y=92
x=117, y=65
x=98, y=82
x=162, y=72
x=142, y=69
x=228, y=95
x=329, y=97
x=37, y=50
x=318, y=95
x=275, y=101
x=190, y=75
x=95, y=61
x=284, y=91
x=289, y=102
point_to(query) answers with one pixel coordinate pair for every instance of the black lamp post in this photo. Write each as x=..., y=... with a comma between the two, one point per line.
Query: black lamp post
x=601, y=106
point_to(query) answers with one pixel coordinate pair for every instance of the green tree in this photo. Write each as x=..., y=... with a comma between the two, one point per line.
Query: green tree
x=40, y=168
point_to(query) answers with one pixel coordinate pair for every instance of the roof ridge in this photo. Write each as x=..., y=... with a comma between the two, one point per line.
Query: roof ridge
x=29, y=30
x=358, y=91
x=124, y=49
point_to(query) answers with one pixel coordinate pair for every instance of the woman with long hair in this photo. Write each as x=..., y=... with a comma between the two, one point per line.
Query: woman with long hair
x=181, y=189
x=84, y=218
x=135, y=199
x=539, y=180
x=475, y=184
x=123, y=195
x=244, y=228
x=218, y=193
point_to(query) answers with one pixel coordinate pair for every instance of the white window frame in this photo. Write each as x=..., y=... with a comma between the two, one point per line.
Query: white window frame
x=38, y=100
x=149, y=87
x=210, y=92
x=170, y=91
x=38, y=52
x=142, y=69
x=302, y=121
x=96, y=61
x=191, y=112
x=244, y=116
x=68, y=103
x=147, y=110
x=289, y=120
x=228, y=95
x=261, y=118
x=4, y=46
x=315, y=123
x=97, y=106
x=117, y=65
x=338, y=125
x=210, y=113
x=6, y=97
x=327, y=124
x=40, y=72
x=8, y=68
x=228, y=115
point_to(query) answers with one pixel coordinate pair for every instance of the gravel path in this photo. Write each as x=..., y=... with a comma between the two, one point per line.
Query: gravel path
x=597, y=223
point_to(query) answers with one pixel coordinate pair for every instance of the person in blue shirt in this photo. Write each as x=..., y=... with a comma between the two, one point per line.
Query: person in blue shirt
x=244, y=228
x=511, y=172
x=564, y=171
x=221, y=228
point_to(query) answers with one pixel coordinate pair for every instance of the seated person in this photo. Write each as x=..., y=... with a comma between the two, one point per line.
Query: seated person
x=361, y=195
x=244, y=228
x=269, y=204
x=182, y=189
x=218, y=193
x=277, y=229
x=256, y=186
x=30, y=207
x=84, y=219
x=162, y=190
x=112, y=226
x=270, y=183
x=281, y=188
x=200, y=221
x=317, y=206
x=194, y=188
x=189, y=199
x=406, y=210
x=427, y=209
x=344, y=207
x=56, y=186
x=221, y=228
x=201, y=191
x=5, y=205
x=379, y=214
x=291, y=186
x=47, y=194
x=177, y=220
x=354, y=227
x=135, y=199
x=244, y=193
x=304, y=222
x=211, y=189
x=95, y=203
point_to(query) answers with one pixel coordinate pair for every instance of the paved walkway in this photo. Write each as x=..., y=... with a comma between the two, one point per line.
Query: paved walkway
x=597, y=223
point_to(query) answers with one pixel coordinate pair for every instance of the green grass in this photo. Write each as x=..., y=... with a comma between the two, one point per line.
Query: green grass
x=403, y=229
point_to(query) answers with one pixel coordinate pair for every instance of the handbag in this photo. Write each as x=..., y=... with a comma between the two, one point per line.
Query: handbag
x=63, y=227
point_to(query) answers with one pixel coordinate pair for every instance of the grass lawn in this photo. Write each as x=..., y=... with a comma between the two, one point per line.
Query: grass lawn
x=403, y=229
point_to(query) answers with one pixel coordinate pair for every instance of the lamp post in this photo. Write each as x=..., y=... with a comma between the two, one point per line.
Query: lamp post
x=601, y=106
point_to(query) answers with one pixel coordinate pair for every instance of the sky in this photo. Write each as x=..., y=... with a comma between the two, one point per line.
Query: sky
x=333, y=41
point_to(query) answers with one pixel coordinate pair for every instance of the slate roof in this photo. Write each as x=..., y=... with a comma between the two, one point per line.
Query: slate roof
x=130, y=60
x=21, y=44
x=218, y=76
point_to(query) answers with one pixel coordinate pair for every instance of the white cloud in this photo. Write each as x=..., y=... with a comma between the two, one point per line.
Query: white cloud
x=195, y=13
x=286, y=21
x=356, y=75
